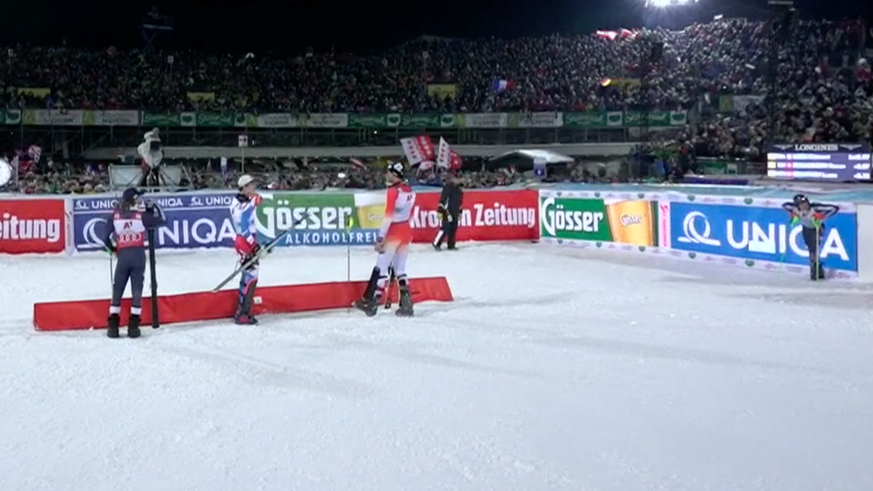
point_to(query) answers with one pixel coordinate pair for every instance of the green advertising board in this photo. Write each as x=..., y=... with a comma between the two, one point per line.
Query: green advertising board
x=574, y=219
x=275, y=120
x=10, y=116
x=161, y=120
x=321, y=219
x=567, y=219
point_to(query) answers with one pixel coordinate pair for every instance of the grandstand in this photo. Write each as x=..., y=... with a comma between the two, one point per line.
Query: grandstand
x=702, y=97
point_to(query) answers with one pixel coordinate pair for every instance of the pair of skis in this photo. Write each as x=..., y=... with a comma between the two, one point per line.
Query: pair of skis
x=265, y=249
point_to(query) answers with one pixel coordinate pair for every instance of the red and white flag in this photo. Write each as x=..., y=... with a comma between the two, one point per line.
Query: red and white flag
x=627, y=34
x=418, y=149
x=447, y=158
x=35, y=152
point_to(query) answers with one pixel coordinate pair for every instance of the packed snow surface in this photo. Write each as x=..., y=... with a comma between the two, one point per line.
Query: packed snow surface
x=552, y=370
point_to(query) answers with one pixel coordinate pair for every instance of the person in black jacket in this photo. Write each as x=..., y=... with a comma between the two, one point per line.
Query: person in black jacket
x=451, y=200
x=811, y=216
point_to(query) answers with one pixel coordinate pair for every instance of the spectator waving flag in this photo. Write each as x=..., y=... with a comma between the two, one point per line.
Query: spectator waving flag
x=35, y=153
x=447, y=158
x=24, y=162
x=418, y=149
x=501, y=85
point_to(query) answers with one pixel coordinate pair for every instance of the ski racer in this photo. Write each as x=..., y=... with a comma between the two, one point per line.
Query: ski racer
x=246, y=243
x=125, y=236
x=392, y=245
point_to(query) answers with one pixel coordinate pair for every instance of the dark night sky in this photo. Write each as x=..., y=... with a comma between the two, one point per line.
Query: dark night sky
x=292, y=26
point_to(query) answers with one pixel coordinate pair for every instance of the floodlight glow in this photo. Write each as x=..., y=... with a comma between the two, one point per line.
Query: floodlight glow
x=668, y=3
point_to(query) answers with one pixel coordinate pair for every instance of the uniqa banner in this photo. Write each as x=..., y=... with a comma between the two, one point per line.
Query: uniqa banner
x=753, y=233
x=193, y=221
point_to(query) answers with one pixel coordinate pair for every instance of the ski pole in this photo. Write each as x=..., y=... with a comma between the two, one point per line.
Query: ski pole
x=817, y=249
x=111, y=268
x=349, y=252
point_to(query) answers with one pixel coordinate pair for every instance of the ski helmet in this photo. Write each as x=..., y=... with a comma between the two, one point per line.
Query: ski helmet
x=130, y=195
x=396, y=168
x=800, y=198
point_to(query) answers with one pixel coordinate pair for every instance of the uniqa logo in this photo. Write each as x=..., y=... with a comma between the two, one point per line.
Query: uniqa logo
x=693, y=235
x=90, y=233
x=778, y=238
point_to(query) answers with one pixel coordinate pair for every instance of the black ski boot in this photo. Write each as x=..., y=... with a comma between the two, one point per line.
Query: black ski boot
x=368, y=306
x=405, y=304
x=816, y=271
x=112, y=330
x=243, y=318
x=243, y=315
x=369, y=301
x=133, y=331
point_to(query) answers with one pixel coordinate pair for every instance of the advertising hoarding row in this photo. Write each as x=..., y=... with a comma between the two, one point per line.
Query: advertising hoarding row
x=727, y=230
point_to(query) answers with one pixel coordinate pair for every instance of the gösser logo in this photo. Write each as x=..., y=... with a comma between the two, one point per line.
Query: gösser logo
x=89, y=232
x=692, y=236
x=546, y=219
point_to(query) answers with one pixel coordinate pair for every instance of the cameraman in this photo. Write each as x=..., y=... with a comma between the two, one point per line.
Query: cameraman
x=152, y=154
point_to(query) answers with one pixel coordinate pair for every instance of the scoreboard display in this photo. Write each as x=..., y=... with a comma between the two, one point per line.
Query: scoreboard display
x=820, y=161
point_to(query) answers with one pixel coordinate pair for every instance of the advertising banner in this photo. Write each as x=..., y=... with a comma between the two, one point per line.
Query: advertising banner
x=10, y=116
x=268, y=120
x=486, y=216
x=374, y=120
x=536, y=120
x=485, y=120
x=193, y=221
x=568, y=220
x=32, y=226
x=203, y=220
x=325, y=219
x=53, y=117
x=110, y=118
x=325, y=120
x=752, y=233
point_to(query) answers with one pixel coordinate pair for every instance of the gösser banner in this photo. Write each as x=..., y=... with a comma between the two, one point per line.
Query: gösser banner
x=756, y=234
x=565, y=218
x=203, y=220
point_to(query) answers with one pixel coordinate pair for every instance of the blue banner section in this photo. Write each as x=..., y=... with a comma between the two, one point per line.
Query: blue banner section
x=762, y=234
x=195, y=221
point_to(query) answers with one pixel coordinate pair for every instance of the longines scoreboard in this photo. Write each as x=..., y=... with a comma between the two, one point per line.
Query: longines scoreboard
x=820, y=161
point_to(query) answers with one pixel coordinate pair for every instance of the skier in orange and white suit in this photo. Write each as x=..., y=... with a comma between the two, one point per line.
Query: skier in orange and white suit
x=392, y=244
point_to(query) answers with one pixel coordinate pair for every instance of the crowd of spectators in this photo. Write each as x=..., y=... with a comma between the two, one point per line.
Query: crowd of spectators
x=89, y=178
x=825, y=89
x=548, y=73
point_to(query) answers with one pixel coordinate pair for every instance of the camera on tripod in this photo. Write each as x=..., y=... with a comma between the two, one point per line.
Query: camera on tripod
x=152, y=152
